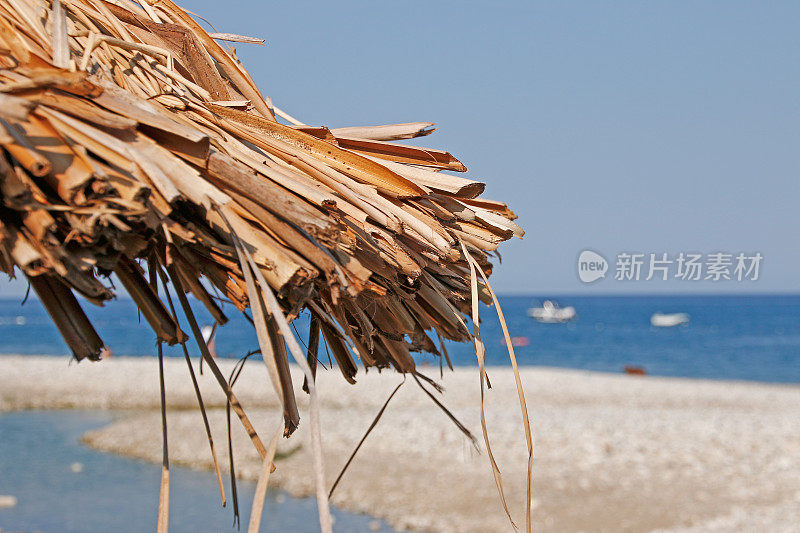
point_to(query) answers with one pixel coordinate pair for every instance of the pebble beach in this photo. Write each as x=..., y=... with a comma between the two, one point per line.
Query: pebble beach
x=612, y=452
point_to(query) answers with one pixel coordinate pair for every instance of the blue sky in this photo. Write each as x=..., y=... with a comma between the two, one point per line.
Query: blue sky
x=615, y=126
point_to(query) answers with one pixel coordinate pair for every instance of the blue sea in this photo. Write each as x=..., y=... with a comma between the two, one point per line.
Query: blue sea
x=41, y=450
x=729, y=337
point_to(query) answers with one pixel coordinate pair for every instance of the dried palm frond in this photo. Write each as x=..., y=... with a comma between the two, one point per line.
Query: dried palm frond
x=128, y=133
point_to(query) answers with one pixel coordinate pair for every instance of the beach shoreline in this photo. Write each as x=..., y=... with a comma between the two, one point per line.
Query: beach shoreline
x=613, y=452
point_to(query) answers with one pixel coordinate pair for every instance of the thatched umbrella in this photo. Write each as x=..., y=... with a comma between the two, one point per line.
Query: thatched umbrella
x=130, y=137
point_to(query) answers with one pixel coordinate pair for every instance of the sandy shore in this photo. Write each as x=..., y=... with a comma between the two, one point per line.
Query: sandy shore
x=613, y=452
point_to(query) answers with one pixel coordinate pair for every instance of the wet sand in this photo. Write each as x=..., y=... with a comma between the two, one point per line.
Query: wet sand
x=613, y=452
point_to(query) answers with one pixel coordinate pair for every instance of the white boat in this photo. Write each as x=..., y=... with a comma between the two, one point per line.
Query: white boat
x=550, y=312
x=668, y=320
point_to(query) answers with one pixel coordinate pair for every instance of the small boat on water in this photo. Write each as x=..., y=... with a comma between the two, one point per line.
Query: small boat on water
x=668, y=320
x=550, y=312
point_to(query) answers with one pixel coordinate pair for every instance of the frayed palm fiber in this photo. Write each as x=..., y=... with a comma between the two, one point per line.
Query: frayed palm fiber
x=129, y=135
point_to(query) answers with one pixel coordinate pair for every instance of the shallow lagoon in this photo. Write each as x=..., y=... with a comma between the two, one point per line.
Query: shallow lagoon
x=39, y=448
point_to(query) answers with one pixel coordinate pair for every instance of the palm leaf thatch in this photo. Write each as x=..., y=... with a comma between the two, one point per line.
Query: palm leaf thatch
x=130, y=135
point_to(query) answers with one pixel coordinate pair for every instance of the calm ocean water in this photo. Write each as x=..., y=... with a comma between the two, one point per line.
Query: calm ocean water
x=112, y=493
x=729, y=337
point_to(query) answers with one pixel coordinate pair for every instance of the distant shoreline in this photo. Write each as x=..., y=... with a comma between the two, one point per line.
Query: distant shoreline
x=653, y=452
x=433, y=370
